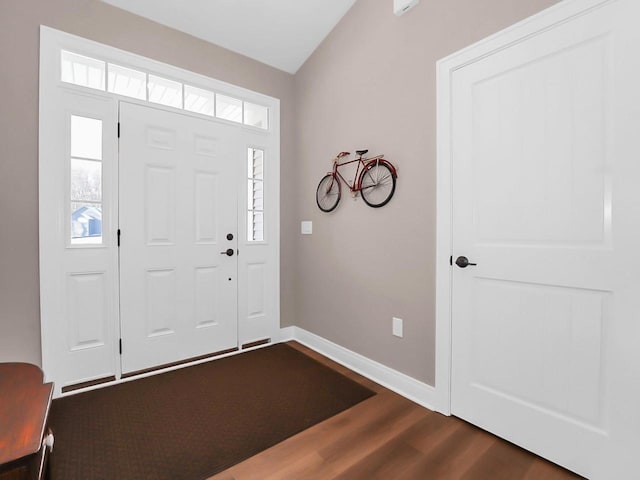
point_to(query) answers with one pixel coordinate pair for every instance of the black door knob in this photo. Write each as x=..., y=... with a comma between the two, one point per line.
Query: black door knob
x=229, y=236
x=463, y=262
x=228, y=252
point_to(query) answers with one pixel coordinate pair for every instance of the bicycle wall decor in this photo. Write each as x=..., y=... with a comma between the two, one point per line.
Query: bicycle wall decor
x=375, y=180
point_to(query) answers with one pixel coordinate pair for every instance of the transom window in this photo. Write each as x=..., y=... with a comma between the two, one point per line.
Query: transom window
x=127, y=81
x=99, y=75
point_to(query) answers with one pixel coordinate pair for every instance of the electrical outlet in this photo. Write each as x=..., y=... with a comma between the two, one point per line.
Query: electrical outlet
x=397, y=327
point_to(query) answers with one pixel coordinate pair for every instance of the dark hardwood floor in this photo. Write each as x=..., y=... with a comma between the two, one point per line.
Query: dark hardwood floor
x=389, y=437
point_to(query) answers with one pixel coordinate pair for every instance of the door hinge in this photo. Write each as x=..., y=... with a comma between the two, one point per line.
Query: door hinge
x=118, y=237
x=118, y=129
x=450, y=258
x=120, y=346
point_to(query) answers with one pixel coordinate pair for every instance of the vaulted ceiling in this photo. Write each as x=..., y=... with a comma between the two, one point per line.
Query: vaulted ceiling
x=280, y=33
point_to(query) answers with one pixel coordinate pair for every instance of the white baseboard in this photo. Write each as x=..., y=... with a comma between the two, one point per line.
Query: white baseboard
x=402, y=384
x=287, y=334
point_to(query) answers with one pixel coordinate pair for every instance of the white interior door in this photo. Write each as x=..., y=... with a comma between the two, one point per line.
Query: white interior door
x=178, y=212
x=546, y=202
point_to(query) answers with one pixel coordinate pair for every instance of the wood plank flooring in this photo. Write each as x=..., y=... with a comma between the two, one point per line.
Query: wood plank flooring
x=389, y=437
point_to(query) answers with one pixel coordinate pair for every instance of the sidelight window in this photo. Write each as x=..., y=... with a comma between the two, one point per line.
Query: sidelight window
x=255, y=195
x=86, y=181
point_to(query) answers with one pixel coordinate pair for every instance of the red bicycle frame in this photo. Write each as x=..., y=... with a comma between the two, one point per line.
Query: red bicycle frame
x=363, y=164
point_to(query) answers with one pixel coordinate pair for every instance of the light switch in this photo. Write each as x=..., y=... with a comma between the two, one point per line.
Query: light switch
x=397, y=327
x=306, y=227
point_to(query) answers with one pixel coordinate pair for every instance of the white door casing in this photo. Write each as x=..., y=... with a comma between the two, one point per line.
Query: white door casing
x=178, y=203
x=79, y=284
x=538, y=150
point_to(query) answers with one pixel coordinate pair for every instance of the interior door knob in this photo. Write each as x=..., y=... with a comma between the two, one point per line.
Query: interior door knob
x=228, y=252
x=463, y=262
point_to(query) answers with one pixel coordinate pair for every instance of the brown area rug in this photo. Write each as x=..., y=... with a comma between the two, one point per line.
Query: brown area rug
x=197, y=421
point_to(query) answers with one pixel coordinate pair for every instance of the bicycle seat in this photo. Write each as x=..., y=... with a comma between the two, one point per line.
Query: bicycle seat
x=361, y=152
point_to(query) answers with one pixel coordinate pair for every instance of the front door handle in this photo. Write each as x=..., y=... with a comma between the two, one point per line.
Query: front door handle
x=463, y=262
x=228, y=252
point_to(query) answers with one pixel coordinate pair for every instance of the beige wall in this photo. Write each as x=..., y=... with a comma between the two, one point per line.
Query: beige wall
x=371, y=84
x=19, y=50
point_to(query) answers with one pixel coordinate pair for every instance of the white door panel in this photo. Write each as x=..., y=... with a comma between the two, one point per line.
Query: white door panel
x=545, y=172
x=258, y=260
x=178, y=202
x=78, y=281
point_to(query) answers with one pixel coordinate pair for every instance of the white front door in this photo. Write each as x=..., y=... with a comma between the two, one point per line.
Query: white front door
x=546, y=168
x=178, y=214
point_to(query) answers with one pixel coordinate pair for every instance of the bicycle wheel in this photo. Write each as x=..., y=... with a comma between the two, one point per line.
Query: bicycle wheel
x=377, y=183
x=328, y=193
